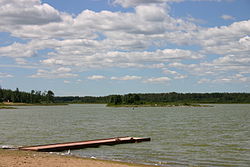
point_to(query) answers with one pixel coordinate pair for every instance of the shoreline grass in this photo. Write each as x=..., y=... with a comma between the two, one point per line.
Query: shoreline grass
x=11, y=105
x=6, y=107
x=31, y=104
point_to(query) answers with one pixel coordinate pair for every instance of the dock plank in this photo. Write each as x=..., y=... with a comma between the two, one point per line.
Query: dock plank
x=84, y=144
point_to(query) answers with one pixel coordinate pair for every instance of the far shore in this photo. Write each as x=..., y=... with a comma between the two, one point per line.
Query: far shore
x=13, y=158
x=11, y=105
x=160, y=105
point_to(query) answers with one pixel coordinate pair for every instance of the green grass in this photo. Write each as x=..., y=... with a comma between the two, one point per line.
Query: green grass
x=6, y=107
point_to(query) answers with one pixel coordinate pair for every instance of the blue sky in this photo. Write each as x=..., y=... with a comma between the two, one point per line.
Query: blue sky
x=101, y=47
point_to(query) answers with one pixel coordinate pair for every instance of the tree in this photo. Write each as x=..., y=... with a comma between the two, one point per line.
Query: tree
x=131, y=99
x=116, y=99
x=32, y=96
x=50, y=97
x=1, y=94
x=17, y=96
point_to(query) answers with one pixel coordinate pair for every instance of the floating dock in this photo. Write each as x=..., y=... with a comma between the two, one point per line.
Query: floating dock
x=83, y=144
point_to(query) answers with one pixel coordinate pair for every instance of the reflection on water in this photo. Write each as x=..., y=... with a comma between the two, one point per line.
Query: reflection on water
x=181, y=136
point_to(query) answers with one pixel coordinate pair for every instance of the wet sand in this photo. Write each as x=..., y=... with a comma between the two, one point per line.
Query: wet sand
x=15, y=158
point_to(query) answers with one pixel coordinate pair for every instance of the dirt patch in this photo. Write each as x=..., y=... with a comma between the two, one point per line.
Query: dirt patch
x=10, y=158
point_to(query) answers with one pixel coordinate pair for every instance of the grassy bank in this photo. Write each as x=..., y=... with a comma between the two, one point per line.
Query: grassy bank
x=31, y=104
x=6, y=107
x=11, y=158
x=10, y=105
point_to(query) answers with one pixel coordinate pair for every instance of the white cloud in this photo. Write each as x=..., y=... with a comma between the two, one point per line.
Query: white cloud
x=179, y=76
x=63, y=70
x=224, y=40
x=96, y=77
x=195, y=20
x=203, y=80
x=97, y=40
x=119, y=59
x=157, y=80
x=151, y=13
x=21, y=61
x=237, y=78
x=231, y=45
x=126, y=78
x=175, y=74
x=245, y=42
x=16, y=50
x=152, y=19
x=5, y=75
x=66, y=81
x=60, y=72
x=166, y=71
x=15, y=13
x=131, y=3
x=222, y=66
x=227, y=17
x=25, y=50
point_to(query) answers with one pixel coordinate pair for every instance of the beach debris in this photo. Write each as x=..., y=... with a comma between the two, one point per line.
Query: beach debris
x=8, y=147
x=92, y=157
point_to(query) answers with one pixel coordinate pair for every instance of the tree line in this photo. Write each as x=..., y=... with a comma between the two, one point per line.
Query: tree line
x=16, y=96
x=7, y=95
x=171, y=97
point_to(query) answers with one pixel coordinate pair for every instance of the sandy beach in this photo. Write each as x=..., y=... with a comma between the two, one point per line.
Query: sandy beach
x=14, y=158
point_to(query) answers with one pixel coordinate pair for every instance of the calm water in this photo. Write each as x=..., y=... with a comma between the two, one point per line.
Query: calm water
x=181, y=136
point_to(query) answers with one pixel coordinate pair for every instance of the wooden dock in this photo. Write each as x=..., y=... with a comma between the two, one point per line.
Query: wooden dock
x=83, y=144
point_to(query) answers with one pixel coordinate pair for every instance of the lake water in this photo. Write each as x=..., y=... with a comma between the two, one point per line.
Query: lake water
x=180, y=136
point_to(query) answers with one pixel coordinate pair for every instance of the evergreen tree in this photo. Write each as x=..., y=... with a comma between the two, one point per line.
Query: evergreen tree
x=50, y=97
x=1, y=94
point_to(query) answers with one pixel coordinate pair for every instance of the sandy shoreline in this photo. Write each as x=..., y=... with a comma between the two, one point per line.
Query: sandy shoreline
x=15, y=158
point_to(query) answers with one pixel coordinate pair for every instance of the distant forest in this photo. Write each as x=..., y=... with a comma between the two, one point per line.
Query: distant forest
x=16, y=96
x=7, y=95
x=171, y=97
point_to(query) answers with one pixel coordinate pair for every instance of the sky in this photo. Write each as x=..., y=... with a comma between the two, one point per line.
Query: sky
x=103, y=47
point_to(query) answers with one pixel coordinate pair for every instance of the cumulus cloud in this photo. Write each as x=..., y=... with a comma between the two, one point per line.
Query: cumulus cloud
x=26, y=12
x=106, y=39
x=122, y=59
x=131, y=3
x=5, y=75
x=175, y=74
x=126, y=78
x=229, y=43
x=224, y=39
x=96, y=77
x=157, y=80
x=237, y=78
x=166, y=71
x=153, y=19
x=24, y=50
x=66, y=81
x=227, y=17
x=61, y=72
